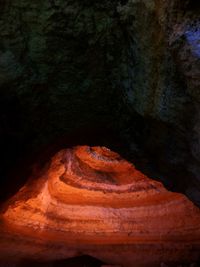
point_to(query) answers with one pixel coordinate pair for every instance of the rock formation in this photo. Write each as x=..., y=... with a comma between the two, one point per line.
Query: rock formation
x=129, y=64
x=90, y=201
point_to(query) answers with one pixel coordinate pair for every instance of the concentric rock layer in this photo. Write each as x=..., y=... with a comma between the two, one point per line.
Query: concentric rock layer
x=91, y=201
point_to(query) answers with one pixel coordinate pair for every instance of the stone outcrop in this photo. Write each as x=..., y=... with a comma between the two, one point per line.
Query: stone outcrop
x=90, y=201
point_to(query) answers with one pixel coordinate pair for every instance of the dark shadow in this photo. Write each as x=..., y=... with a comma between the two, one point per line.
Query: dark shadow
x=193, y=5
x=81, y=261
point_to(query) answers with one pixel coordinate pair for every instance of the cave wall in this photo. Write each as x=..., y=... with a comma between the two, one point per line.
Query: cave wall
x=131, y=67
x=163, y=84
x=59, y=73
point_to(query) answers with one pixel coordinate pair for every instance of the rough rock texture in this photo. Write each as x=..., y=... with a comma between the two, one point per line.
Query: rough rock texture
x=90, y=201
x=164, y=83
x=59, y=72
x=132, y=65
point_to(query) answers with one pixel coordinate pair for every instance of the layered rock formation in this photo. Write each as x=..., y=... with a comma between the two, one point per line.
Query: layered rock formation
x=103, y=61
x=90, y=201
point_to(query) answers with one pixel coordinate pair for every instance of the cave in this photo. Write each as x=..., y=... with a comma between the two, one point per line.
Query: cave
x=107, y=82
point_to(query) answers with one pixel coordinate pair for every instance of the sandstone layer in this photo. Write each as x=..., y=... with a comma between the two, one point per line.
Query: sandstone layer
x=90, y=201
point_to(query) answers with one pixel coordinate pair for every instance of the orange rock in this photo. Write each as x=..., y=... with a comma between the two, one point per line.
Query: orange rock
x=92, y=202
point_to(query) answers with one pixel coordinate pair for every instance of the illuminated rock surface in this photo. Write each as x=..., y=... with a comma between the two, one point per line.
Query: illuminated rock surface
x=90, y=201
